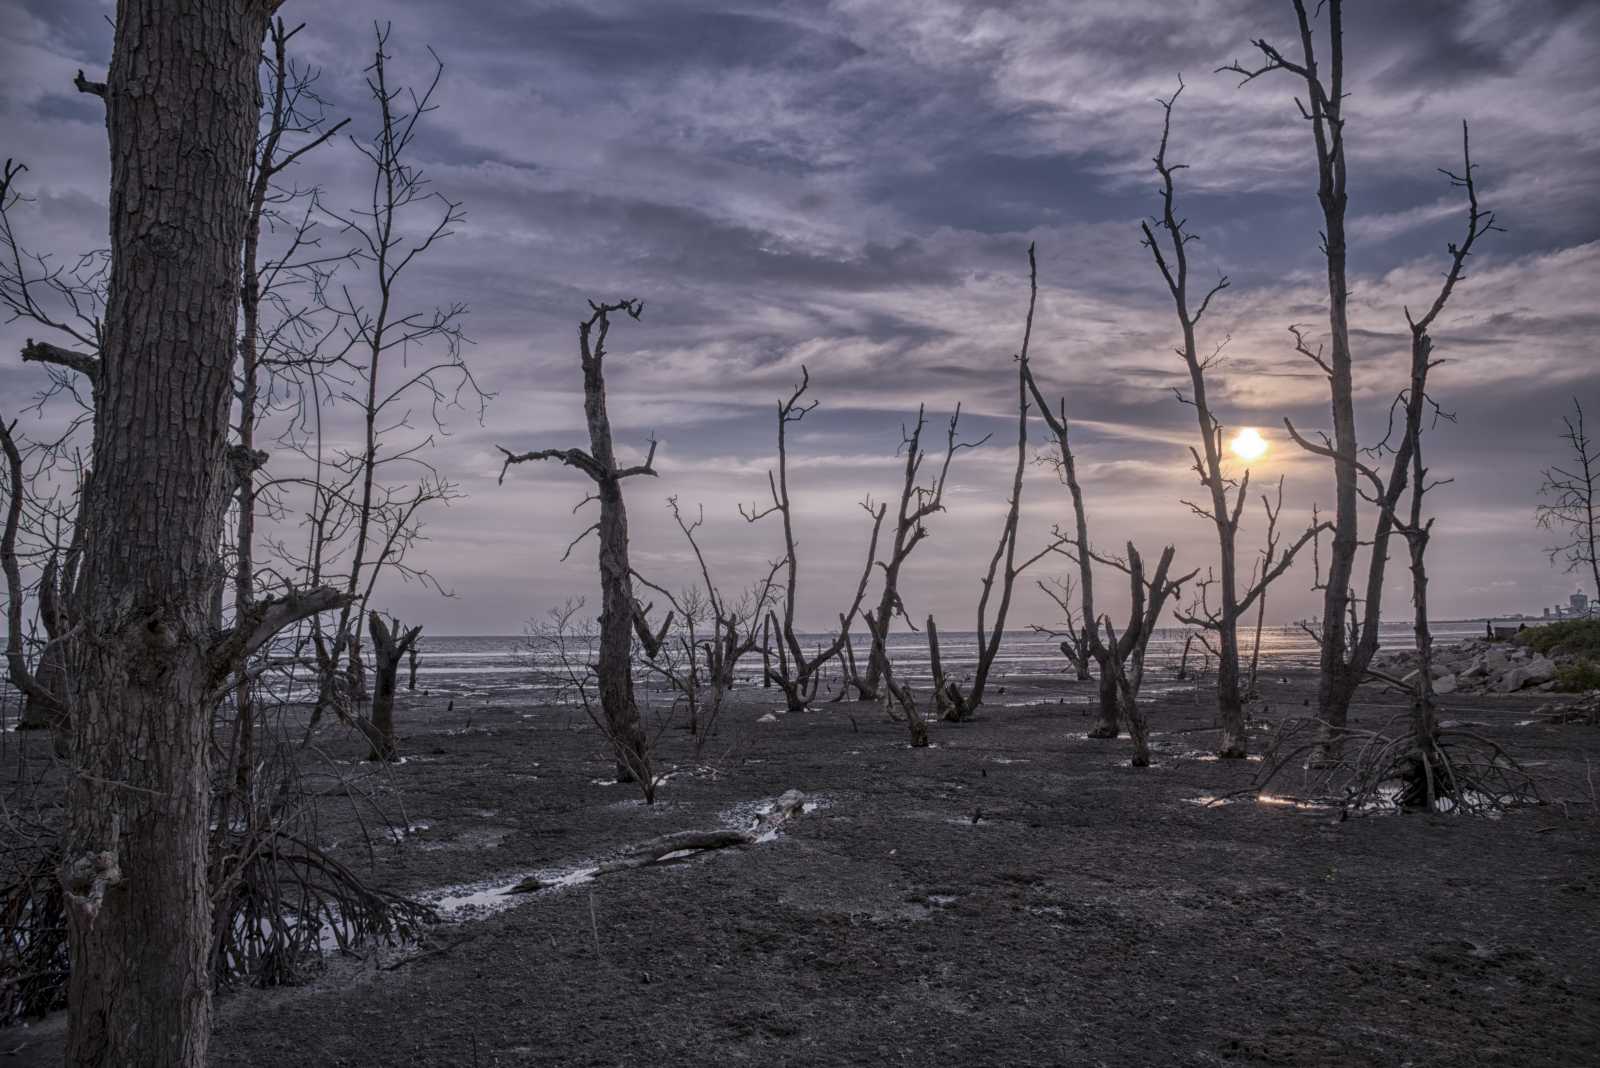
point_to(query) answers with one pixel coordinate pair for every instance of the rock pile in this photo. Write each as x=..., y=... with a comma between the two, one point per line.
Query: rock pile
x=1477, y=666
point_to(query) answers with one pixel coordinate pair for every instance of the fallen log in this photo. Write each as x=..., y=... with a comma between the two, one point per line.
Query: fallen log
x=655, y=850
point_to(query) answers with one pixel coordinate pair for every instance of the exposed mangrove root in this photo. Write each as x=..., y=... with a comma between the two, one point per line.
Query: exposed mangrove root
x=33, y=941
x=289, y=902
x=1454, y=770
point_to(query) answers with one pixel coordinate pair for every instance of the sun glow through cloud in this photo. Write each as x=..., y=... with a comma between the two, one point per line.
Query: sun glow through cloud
x=1248, y=444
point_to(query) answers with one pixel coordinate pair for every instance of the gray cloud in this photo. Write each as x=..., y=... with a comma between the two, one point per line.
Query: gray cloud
x=852, y=186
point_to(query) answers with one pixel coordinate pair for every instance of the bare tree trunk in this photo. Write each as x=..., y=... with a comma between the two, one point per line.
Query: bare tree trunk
x=917, y=504
x=614, y=664
x=941, y=700
x=766, y=653
x=898, y=693
x=1425, y=726
x=1126, y=662
x=1336, y=680
x=1347, y=648
x=1004, y=566
x=355, y=671
x=389, y=644
x=1110, y=725
x=181, y=116
x=1227, y=496
x=1255, y=649
x=44, y=704
x=411, y=667
x=798, y=674
x=1573, y=489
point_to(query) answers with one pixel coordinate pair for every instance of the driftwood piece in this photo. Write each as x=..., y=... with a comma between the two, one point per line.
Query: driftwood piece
x=654, y=850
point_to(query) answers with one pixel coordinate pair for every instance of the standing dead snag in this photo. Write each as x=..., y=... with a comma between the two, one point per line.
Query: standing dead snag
x=1424, y=786
x=1224, y=513
x=615, y=660
x=1336, y=683
x=1074, y=639
x=35, y=692
x=897, y=692
x=1126, y=662
x=1120, y=659
x=1573, y=488
x=1003, y=564
x=797, y=674
x=67, y=303
x=291, y=111
x=917, y=503
x=390, y=645
x=1387, y=492
x=1350, y=627
x=704, y=670
x=394, y=355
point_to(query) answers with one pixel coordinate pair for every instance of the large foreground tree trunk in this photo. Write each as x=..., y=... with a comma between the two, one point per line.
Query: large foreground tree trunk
x=181, y=113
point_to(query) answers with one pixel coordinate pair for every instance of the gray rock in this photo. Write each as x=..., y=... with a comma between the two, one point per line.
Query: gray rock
x=1541, y=669
x=1512, y=681
x=1445, y=684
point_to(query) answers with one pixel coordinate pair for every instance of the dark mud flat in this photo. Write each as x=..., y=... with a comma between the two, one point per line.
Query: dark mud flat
x=1016, y=895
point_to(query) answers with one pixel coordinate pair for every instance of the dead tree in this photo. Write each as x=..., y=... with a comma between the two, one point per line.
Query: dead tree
x=1120, y=662
x=145, y=666
x=617, y=605
x=1336, y=683
x=917, y=503
x=1428, y=755
x=1004, y=567
x=1126, y=659
x=798, y=675
x=1264, y=564
x=897, y=694
x=1349, y=635
x=1074, y=640
x=1227, y=494
x=390, y=644
x=270, y=329
x=48, y=703
x=1573, y=490
x=396, y=358
x=705, y=669
x=67, y=302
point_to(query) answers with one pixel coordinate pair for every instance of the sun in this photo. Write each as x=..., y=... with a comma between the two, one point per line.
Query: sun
x=1248, y=444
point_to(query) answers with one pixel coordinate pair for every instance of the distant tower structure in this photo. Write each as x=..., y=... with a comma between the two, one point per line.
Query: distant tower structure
x=1547, y=611
x=1579, y=603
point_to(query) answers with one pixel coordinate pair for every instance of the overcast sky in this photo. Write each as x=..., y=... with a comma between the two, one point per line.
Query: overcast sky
x=853, y=185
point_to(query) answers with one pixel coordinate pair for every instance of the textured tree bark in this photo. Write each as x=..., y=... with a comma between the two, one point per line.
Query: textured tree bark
x=1110, y=724
x=181, y=111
